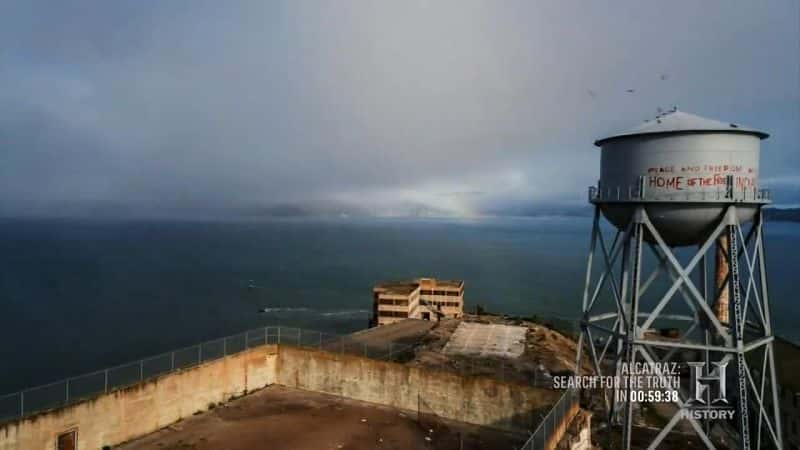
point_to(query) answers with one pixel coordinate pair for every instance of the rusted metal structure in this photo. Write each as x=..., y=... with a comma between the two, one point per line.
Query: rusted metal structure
x=672, y=188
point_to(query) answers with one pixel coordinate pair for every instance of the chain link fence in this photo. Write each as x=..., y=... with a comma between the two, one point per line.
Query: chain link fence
x=558, y=418
x=31, y=401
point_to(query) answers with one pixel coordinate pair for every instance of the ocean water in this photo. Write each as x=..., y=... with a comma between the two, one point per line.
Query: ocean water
x=76, y=297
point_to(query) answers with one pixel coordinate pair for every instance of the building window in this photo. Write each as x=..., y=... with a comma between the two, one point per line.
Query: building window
x=67, y=441
x=393, y=314
x=389, y=301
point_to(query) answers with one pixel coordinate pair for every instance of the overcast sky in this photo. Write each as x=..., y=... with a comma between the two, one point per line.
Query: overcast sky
x=208, y=108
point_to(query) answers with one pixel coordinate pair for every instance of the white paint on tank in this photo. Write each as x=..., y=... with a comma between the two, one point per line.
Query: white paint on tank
x=676, y=163
x=685, y=161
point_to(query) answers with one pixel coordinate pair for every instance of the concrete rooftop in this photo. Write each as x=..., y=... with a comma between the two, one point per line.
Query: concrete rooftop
x=398, y=288
x=280, y=418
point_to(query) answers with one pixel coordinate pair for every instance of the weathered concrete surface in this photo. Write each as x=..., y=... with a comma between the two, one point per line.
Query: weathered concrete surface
x=475, y=400
x=125, y=414
x=546, y=353
x=482, y=339
x=138, y=410
x=281, y=418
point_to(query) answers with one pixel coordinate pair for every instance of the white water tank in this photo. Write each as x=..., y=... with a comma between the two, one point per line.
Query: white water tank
x=684, y=169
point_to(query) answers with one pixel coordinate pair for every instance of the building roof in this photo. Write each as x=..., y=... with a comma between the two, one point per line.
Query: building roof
x=409, y=286
x=680, y=122
x=396, y=287
x=433, y=282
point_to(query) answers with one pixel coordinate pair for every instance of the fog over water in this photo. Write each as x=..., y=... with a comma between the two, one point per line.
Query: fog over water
x=213, y=110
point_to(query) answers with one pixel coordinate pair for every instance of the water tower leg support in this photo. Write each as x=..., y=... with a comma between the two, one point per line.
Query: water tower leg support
x=587, y=283
x=737, y=328
x=618, y=405
x=707, y=337
x=592, y=291
x=618, y=308
x=619, y=329
x=633, y=333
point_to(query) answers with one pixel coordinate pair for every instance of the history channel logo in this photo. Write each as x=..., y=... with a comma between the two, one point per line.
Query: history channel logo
x=709, y=394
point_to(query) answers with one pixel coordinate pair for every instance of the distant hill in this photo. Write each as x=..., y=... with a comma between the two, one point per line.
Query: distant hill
x=540, y=209
x=782, y=215
x=771, y=214
x=410, y=209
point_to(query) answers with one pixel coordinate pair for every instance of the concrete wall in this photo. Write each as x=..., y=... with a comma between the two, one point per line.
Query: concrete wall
x=138, y=410
x=125, y=414
x=476, y=400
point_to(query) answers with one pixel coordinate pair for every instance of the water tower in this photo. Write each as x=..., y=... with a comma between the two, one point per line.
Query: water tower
x=683, y=279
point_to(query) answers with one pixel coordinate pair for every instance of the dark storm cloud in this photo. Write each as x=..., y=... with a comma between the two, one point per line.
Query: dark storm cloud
x=211, y=108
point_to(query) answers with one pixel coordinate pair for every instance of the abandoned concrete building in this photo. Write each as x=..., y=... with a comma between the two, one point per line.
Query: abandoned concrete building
x=422, y=298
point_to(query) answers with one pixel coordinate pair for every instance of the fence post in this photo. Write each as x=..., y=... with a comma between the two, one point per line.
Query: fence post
x=141, y=370
x=199, y=353
x=266, y=332
x=224, y=346
x=279, y=335
x=21, y=404
x=66, y=383
x=105, y=381
x=172, y=362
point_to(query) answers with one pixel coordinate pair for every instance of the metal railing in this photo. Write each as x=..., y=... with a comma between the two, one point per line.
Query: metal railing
x=637, y=192
x=72, y=390
x=559, y=416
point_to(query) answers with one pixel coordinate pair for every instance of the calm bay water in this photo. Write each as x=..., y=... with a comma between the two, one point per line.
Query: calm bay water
x=75, y=297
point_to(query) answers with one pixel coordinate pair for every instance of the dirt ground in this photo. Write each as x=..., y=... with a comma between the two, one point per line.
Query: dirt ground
x=547, y=353
x=277, y=418
x=408, y=331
